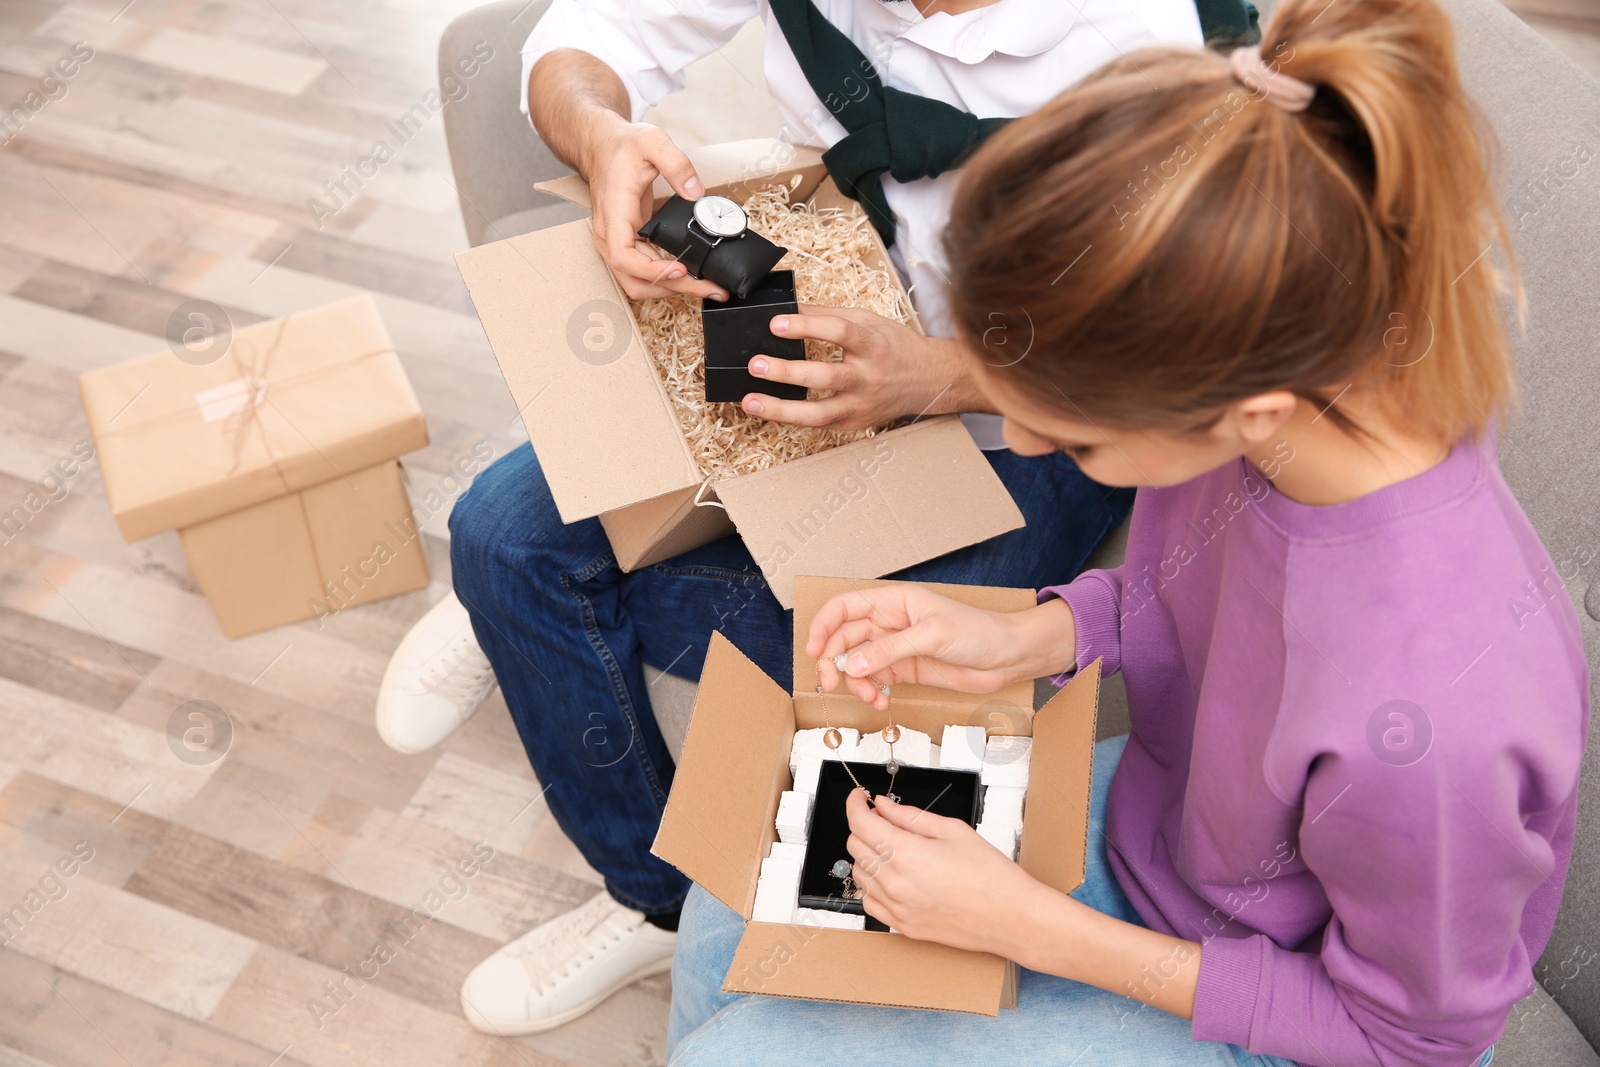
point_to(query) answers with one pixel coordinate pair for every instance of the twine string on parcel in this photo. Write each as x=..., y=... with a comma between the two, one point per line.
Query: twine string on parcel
x=254, y=377
x=252, y=380
x=237, y=426
x=827, y=250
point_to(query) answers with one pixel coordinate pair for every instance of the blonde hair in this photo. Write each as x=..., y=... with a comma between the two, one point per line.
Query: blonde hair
x=1162, y=241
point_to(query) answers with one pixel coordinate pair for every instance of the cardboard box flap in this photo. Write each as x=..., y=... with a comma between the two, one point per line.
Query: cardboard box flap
x=570, y=187
x=1055, y=823
x=568, y=347
x=792, y=960
x=719, y=818
x=667, y=526
x=812, y=592
x=863, y=512
x=729, y=169
x=291, y=403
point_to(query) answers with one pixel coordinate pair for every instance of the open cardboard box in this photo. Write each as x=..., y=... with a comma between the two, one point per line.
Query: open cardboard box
x=609, y=444
x=718, y=825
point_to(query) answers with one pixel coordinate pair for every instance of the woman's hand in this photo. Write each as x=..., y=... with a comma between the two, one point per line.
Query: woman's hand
x=905, y=633
x=622, y=164
x=889, y=370
x=934, y=878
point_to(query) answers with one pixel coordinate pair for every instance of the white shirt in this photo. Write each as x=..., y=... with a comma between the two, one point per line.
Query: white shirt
x=1005, y=59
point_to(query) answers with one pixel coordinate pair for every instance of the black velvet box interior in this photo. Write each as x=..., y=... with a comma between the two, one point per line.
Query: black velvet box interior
x=934, y=789
x=738, y=329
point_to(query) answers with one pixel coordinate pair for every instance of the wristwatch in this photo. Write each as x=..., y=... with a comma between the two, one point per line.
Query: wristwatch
x=715, y=219
x=712, y=238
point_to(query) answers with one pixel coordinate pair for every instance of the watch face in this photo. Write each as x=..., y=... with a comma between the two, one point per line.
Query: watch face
x=719, y=216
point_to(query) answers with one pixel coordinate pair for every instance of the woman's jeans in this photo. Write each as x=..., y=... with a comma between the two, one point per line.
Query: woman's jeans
x=568, y=634
x=1057, y=1022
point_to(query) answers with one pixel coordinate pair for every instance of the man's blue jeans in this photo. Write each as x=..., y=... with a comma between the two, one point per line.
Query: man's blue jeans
x=568, y=634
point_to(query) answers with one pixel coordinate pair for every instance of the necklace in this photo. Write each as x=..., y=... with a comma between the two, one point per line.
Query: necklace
x=832, y=738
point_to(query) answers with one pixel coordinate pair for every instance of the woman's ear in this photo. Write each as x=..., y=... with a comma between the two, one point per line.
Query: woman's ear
x=1257, y=419
x=1025, y=442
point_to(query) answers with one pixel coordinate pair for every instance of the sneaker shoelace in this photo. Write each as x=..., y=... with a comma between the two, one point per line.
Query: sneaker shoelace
x=460, y=673
x=574, y=945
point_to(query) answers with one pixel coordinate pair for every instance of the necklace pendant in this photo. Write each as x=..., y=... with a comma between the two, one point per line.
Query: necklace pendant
x=832, y=738
x=891, y=733
x=893, y=767
x=844, y=870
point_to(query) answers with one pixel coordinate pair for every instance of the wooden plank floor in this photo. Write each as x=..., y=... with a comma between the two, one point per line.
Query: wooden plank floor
x=223, y=906
x=213, y=912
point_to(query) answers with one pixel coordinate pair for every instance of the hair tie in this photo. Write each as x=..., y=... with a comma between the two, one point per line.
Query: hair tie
x=1279, y=89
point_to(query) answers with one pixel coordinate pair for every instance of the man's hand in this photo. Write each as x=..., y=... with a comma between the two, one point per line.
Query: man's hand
x=622, y=165
x=580, y=108
x=889, y=370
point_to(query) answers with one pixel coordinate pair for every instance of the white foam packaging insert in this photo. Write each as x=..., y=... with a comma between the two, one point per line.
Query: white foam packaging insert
x=1002, y=763
x=1005, y=760
x=794, y=817
x=807, y=774
x=777, y=889
x=832, y=920
x=809, y=743
x=962, y=747
x=1004, y=775
x=914, y=749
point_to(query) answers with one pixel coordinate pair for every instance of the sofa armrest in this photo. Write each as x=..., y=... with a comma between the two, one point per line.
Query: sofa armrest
x=495, y=154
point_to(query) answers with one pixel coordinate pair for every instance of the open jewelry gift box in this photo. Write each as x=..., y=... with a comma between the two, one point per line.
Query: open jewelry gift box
x=718, y=825
x=609, y=444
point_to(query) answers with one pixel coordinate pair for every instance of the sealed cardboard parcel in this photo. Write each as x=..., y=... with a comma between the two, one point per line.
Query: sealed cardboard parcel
x=610, y=446
x=276, y=464
x=718, y=824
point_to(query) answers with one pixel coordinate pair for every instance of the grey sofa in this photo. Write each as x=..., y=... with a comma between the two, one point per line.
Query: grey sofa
x=1547, y=114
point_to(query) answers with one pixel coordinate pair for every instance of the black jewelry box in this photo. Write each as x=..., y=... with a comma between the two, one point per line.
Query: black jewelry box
x=936, y=790
x=738, y=329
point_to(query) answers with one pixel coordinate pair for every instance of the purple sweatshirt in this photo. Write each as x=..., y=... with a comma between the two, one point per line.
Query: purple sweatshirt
x=1353, y=770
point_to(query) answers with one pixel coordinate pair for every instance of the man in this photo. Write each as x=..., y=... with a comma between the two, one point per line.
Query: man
x=543, y=607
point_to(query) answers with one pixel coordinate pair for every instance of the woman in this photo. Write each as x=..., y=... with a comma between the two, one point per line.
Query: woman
x=1255, y=287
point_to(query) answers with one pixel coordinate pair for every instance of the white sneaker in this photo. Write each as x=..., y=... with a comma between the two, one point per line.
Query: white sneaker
x=435, y=680
x=556, y=972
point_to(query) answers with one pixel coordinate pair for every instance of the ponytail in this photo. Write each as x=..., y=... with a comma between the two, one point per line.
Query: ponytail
x=1232, y=247
x=1392, y=64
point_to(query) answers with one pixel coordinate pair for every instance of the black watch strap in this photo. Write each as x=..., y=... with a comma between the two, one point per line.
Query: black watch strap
x=696, y=246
